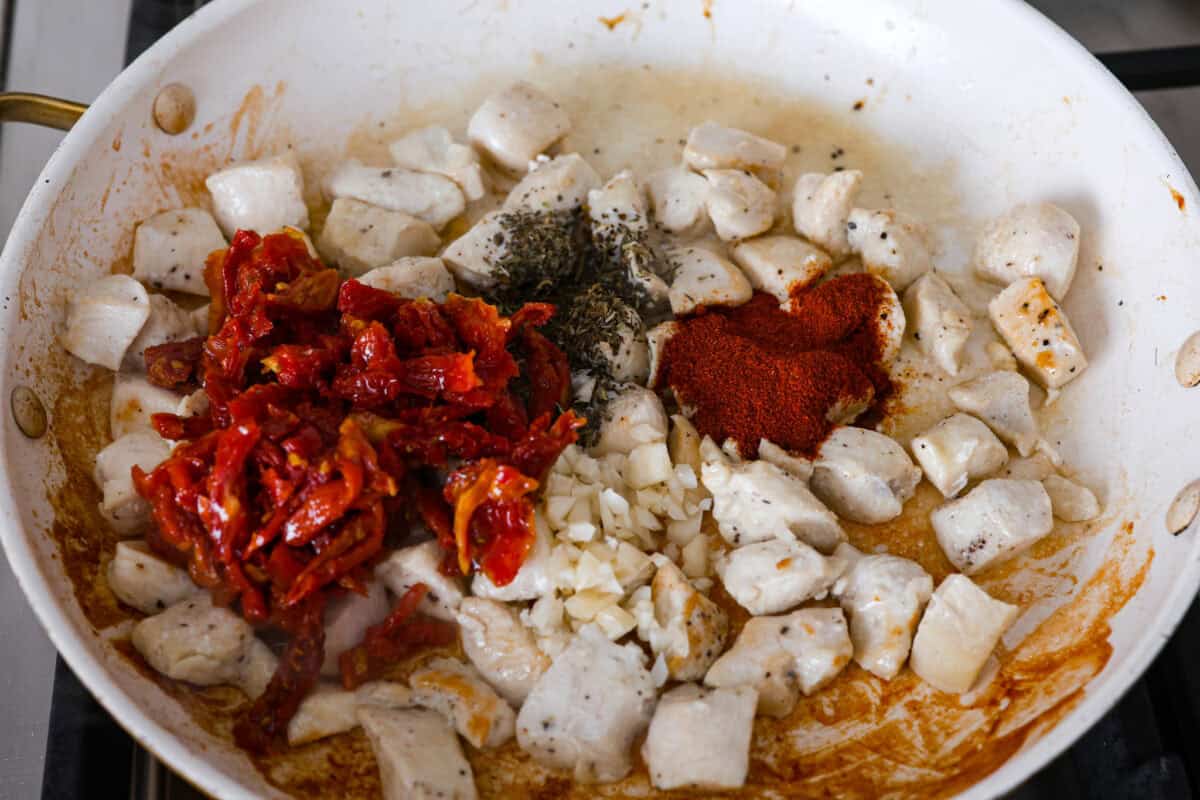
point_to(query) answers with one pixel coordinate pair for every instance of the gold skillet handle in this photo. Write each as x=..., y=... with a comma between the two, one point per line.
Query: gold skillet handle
x=38, y=109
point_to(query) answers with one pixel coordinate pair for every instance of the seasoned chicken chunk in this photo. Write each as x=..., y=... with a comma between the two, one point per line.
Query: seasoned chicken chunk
x=700, y=738
x=516, y=124
x=1069, y=500
x=419, y=756
x=703, y=278
x=739, y=204
x=785, y=655
x=941, y=323
x=585, y=712
x=1037, y=240
x=959, y=631
x=359, y=237
x=1038, y=332
x=713, y=146
x=696, y=626
x=633, y=417
x=141, y=579
x=457, y=692
x=883, y=596
x=774, y=576
x=347, y=619
x=821, y=208
x=618, y=205
x=412, y=277
x=433, y=149
x=890, y=322
x=169, y=249
x=533, y=579
x=560, y=184
x=678, y=196
x=796, y=466
x=167, y=323
x=134, y=401
x=994, y=521
x=104, y=318
x=419, y=563
x=1000, y=399
x=630, y=363
x=328, y=709
x=958, y=449
x=892, y=245
x=500, y=647
x=472, y=257
x=261, y=196
x=863, y=475
x=780, y=264
x=429, y=197
x=121, y=505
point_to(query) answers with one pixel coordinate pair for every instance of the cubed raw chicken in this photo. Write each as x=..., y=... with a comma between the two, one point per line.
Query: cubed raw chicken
x=200, y=319
x=359, y=237
x=457, y=692
x=941, y=323
x=656, y=340
x=618, y=206
x=959, y=631
x=560, y=184
x=785, y=655
x=642, y=267
x=703, y=278
x=419, y=756
x=677, y=196
x=883, y=596
x=134, y=401
x=517, y=124
x=696, y=626
x=1070, y=501
x=699, y=738
x=329, y=709
x=957, y=450
x=1037, y=240
x=780, y=264
x=796, y=466
x=472, y=257
x=500, y=647
x=200, y=643
x=104, y=318
x=1000, y=399
x=121, y=505
x=863, y=475
x=890, y=321
x=419, y=563
x=892, y=245
x=167, y=323
x=412, y=277
x=713, y=146
x=994, y=521
x=429, y=197
x=533, y=579
x=1038, y=332
x=170, y=248
x=774, y=576
x=739, y=204
x=631, y=361
x=141, y=579
x=347, y=619
x=261, y=196
x=433, y=149
x=821, y=208
x=585, y=712
x=193, y=404
x=754, y=501
x=634, y=417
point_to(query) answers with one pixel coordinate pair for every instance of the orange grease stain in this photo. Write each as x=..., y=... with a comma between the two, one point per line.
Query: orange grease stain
x=612, y=22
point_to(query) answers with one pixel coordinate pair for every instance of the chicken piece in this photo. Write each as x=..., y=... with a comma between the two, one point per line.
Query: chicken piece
x=329, y=710
x=134, y=401
x=516, y=124
x=1070, y=501
x=958, y=633
x=500, y=647
x=796, y=466
x=419, y=756
x=618, y=207
x=432, y=149
x=892, y=245
x=1001, y=400
x=821, y=209
x=206, y=645
x=457, y=692
x=261, y=196
x=429, y=197
x=121, y=505
x=700, y=738
x=941, y=323
x=696, y=626
x=359, y=237
x=780, y=265
x=585, y=712
x=634, y=417
x=713, y=146
x=785, y=655
x=774, y=576
x=419, y=563
x=957, y=450
x=347, y=619
x=104, y=318
x=642, y=268
x=863, y=475
x=1037, y=240
x=703, y=278
x=739, y=204
x=994, y=521
x=684, y=443
x=678, y=196
x=193, y=404
x=1038, y=332
x=167, y=323
x=656, y=340
x=559, y=184
x=141, y=579
x=472, y=257
x=169, y=249
x=883, y=596
x=532, y=580
x=631, y=361
x=755, y=501
x=412, y=277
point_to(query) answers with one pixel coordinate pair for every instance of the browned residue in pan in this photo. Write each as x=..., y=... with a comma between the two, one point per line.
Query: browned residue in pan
x=612, y=22
x=1180, y=202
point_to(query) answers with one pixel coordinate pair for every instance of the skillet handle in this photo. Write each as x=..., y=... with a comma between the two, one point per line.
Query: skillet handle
x=49, y=112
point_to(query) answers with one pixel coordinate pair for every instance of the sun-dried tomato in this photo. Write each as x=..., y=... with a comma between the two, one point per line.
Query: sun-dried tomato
x=402, y=632
x=536, y=451
x=174, y=364
x=496, y=494
x=548, y=372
